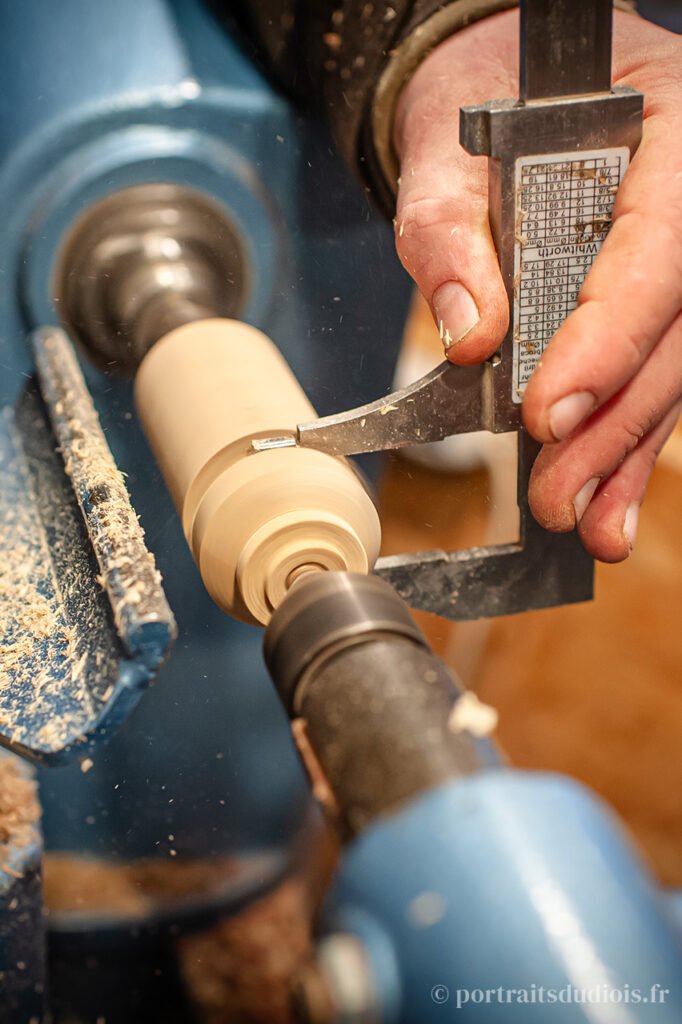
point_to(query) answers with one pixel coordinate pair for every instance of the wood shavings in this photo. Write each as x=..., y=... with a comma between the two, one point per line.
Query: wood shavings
x=19, y=808
x=37, y=645
x=241, y=970
x=55, y=652
x=127, y=569
x=137, y=887
x=471, y=715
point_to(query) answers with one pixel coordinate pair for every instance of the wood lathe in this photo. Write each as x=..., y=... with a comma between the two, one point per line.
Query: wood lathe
x=156, y=204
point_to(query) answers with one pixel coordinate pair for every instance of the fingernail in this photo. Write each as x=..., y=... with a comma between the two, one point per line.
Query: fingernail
x=630, y=524
x=566, y=414
x=584, y=497
x=455, y=310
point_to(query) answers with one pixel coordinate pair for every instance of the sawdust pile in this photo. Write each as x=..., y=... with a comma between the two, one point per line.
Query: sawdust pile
x=42, y=655
x=241, y=970
x=128, y=570
x=139, y=887
x=19, y=807
x=38, y=647
x=58, y=655
x=29, y=619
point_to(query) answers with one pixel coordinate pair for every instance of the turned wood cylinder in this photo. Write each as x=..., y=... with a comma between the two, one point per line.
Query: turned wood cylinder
x=254, y=521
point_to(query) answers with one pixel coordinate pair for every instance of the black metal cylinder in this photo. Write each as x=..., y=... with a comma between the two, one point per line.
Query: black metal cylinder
x=347, y=658
x=323, y=613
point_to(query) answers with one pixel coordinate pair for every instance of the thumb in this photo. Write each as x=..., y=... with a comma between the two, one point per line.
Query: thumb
x=442, y=229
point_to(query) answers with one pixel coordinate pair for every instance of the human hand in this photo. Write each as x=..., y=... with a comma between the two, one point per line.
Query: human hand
x=608, y=391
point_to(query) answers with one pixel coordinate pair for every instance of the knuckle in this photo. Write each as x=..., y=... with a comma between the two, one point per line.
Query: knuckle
x=624, y=340
x=665, y=221
x=630, y=437
x=631, y=347
x=462, y=204
x=637, y=429
x=668, y=225
x=416, y=225
x=441, y=231
x=418, y=215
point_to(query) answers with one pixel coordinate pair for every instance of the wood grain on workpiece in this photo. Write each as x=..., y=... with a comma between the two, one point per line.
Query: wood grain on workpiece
x=250, y=521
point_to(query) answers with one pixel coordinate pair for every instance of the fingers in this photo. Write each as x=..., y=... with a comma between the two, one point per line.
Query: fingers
x=566, y=475
x=442, y=232
x=609, y=385
x=602, y=399
x=630, y=296
x=608, y=527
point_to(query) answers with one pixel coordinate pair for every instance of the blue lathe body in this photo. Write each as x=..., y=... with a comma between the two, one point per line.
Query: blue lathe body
x=495, y=880
x=114, y=95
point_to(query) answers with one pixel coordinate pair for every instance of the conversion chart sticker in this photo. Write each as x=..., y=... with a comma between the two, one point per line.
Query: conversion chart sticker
x=564, y=207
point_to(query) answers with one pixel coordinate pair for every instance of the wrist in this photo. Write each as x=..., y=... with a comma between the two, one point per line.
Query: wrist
x=405, y=61
x=478, y=37
x=477, y=63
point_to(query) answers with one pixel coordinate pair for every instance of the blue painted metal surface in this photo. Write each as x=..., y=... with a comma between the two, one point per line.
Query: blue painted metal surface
x=85, y=623
x=97, y=97
x=61, y=622
x=509, y=881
